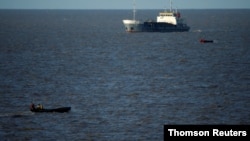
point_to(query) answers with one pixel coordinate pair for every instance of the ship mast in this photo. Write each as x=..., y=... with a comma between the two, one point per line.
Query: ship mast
x=170, y=2
x=134, y=11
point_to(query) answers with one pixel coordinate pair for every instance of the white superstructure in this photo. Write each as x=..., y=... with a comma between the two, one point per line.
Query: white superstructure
x=167, y=17
x=171, y=17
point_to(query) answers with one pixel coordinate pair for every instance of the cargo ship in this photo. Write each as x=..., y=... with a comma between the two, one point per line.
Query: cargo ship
x=166, y=21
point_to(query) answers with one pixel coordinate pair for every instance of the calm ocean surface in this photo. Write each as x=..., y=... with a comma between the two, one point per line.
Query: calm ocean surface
x=120, y=86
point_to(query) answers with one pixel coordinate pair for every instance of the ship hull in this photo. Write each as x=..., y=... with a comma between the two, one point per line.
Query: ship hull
x=155, y=27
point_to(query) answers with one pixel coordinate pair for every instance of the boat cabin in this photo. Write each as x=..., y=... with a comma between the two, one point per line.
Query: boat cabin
x=168, y=17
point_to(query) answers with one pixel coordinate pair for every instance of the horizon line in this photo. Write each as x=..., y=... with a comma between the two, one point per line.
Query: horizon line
x=122, y=9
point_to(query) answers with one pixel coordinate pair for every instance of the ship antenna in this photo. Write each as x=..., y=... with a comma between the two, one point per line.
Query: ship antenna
x=134, y=11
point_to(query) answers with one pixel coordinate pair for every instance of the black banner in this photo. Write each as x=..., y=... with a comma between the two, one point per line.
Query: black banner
x=174, y=132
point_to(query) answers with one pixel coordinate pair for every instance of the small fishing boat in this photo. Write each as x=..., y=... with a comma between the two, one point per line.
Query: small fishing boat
x=60, y=110
x=206, y=41
x=40, y=109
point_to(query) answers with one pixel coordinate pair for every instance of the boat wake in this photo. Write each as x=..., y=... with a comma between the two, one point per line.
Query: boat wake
x=197, y=31
x=16, y=114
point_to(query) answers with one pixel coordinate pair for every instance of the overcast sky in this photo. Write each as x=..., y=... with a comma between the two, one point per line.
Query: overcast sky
x=123, y=4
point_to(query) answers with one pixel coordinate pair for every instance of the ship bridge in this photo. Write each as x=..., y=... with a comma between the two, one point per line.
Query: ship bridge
x=168, y=17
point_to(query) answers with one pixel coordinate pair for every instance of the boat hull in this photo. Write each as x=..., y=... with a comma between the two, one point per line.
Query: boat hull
x=60, y=110
x=155, y=27
x=133, y=26
x=206, y=41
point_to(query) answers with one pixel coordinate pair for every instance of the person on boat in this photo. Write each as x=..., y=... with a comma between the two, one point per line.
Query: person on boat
x=40, y=106
x=32, y=106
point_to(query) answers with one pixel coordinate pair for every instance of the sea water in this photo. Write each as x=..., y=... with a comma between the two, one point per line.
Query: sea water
x=120, y=86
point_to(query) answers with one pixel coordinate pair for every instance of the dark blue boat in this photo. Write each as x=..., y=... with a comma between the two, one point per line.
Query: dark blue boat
x=40, y=109
x=60, y=110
